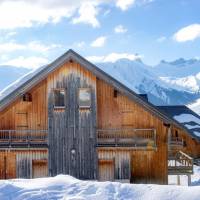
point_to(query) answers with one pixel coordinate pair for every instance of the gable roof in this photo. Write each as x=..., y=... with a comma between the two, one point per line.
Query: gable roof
x=41, y=74
x=184, y=116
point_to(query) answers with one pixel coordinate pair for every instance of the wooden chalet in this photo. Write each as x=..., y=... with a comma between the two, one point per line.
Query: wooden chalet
x=71, y=117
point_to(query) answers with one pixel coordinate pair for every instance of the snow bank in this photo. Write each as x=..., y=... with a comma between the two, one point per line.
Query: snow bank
x=65, y=187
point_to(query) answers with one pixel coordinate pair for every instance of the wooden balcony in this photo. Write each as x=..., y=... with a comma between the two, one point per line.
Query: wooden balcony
x=131, y=138
x=176, y=142
x=180, y=164
x=23, y=138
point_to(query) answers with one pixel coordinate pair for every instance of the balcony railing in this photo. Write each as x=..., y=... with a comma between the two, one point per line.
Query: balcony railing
x=21, y=138
x=181, y=163
x=125, y=137
x=177, y=141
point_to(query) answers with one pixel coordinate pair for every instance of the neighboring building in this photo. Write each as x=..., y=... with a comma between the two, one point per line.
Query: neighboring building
x=71, y=117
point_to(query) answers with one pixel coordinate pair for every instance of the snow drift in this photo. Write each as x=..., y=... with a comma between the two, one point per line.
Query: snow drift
x=64, y=187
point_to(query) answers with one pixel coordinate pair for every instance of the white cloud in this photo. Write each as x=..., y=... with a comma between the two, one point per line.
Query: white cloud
x=27, y=13
x=16, y=14
x=99, y=42
x=120, y=29
x=80, y=44
x=35, y=46
x=87, y=15
x=106, y=13
x=187, y=33
x=113, y=57
x=4, y=57
x=24, y=14
x=28, y=62
x=10, y=47
x=39, y=47
x=8, y=35
x=124, y=4
x=161, y=39
x=95, y=59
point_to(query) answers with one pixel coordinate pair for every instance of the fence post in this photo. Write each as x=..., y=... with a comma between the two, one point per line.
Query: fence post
x=9, y=135
x=178, y=180
x=189, y=179
x=155, y=137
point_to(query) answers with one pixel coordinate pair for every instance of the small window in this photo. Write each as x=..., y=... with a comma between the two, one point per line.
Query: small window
x=59, y=98
x=84, y=97
x=115, y=93
x=176, y=133
x=27, y=97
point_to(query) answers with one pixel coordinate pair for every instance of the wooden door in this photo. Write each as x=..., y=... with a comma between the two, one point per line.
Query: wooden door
x=139, y=169
x=7, y=165
x=106, y=170
x=39, y=168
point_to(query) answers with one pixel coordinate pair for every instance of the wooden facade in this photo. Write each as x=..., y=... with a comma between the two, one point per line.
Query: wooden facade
x=109, y=134
x=136, y=164
x=181, y=141
x=72, y=135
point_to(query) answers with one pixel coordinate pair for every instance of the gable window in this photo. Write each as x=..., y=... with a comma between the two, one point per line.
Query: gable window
x=27, y=97
x=115, y=93
x=84, y=97
x=59, y=98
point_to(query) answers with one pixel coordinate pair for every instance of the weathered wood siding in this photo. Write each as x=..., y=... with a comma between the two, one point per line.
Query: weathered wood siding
x=72, y=130
x=191, y=145
x=21, y=115
x=19, y=163
x=27, y=115
x=121, y=112
x=7, y=165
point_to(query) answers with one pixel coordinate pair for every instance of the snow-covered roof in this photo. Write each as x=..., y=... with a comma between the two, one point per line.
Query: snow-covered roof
x=184, y=116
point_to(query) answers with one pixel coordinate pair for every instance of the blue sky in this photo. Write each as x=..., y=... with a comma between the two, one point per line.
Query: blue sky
x=33, y=33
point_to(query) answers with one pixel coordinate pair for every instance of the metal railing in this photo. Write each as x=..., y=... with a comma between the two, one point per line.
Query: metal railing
x=23, y=137
x=181, y=163
x=126, y=137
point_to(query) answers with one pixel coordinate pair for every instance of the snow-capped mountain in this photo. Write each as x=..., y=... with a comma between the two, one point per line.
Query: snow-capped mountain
x=195, y=106
x=178, y=68
x=145, y=79
x=174, y=82
x=180, y=74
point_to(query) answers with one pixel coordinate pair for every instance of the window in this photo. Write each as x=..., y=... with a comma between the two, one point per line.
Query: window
x=176, y=133
x=59, y=98
x=27, y=97
x=84, y=96
x=115, y=92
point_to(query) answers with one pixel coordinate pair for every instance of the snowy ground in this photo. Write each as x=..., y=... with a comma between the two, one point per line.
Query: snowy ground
x=65, y=187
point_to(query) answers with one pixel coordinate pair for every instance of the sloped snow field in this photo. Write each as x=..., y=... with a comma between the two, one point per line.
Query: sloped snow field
x=65, y=187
